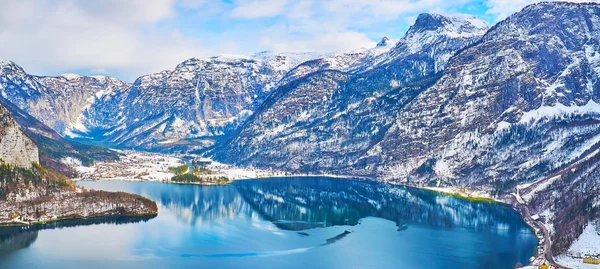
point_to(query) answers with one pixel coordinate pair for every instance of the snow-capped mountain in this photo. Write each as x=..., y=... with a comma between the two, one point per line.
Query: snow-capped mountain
x=432, y=32
x=199, y=100
x=526, y=70
x=56, y=101
x=329, y=119
x=516, y=110
x=346, y=62
x=513, y=110
x=439, y=35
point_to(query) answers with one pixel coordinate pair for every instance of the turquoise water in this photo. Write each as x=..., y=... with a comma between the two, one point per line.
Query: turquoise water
x=281, y=223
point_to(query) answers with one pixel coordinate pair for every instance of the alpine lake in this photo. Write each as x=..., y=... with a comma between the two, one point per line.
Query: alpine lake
x=303, y=222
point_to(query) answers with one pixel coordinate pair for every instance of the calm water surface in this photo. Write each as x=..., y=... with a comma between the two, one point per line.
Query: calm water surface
x=281, y=223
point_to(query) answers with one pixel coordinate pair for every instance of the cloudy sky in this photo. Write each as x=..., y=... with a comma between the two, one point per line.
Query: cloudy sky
x=129, y=38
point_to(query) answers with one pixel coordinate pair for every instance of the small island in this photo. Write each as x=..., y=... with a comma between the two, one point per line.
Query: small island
x=198, y=174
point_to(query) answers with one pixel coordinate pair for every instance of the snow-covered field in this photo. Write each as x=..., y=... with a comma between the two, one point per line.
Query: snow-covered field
x=134, y=165
x=144, y=166
x=575, y=263
x=588, y=243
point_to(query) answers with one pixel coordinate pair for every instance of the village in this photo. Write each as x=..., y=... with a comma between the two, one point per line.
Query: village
x=145, y=166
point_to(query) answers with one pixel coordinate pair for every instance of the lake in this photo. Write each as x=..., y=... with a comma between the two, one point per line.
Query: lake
x=280, y=223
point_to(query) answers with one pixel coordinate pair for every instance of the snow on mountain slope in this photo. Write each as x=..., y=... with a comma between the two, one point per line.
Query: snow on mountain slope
x=345, y=62
x=516, y=106
x=327, y=119
x=56, y=101
x=193, y=104
x=504, y=78
x=588, y=242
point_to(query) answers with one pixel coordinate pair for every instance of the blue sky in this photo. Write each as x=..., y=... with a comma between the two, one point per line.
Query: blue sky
x=129, y=38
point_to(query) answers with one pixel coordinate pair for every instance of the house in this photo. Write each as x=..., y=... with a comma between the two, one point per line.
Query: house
x=591, y=260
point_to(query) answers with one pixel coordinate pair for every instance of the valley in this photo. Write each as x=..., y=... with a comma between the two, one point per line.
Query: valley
x=478, y=113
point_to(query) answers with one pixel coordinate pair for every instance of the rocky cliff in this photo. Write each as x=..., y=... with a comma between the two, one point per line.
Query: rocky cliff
x=16, y=147
x=55, y=151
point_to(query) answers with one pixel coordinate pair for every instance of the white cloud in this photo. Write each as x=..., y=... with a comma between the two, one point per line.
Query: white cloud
x=501, y=9
x=326, y=42
x=129, y=38
x=333, y=25
x=252, y=9
x=49, y=37
x=194, y=3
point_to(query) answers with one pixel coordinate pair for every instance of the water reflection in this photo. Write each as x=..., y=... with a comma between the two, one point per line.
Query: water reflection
x=302, y=203
x=18, y=237
x=268, y=224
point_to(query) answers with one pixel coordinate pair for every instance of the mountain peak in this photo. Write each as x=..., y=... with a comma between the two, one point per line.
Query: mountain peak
x=465, y=26
x=6, y=64
x=427, y=22
x=71, y=76
x=385, y=41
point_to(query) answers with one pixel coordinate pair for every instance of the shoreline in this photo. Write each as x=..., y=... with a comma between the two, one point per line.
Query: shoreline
x=466, y=194
x=74, y=217
x=198, y=183
x=523, y=210
x=71, y=205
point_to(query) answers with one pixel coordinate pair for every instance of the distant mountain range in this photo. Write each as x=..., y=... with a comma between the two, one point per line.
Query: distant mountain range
x=513, y=110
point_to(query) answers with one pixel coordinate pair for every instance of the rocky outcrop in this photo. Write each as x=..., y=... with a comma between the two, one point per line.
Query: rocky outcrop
x=16, y=147
x=53, y=148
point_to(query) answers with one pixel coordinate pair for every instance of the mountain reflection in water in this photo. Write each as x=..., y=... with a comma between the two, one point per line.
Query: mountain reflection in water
x=282, y=223
x=302, y=203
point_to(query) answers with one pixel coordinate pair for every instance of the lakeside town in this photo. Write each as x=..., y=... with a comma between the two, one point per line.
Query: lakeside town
x=145, y=166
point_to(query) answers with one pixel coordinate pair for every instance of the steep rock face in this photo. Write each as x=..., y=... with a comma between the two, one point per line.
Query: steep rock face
x=200, y=98
x=53, y=149
x=539, y=62
x=327, y=120
x=16, y=148
x=80, y=92
x=56, y=101
x=438, y=35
